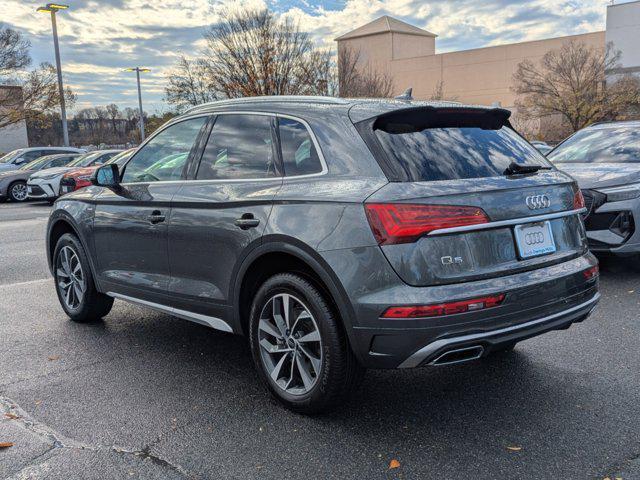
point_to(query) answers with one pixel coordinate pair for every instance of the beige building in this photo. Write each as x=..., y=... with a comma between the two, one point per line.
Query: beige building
x=480, y=76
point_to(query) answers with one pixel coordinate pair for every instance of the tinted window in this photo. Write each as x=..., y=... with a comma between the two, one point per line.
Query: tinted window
x=600, y=145
x=165, y=155
x=60, y=161
x=239, y=146
x=455, y=153
x=299, y=154
x=32, y=155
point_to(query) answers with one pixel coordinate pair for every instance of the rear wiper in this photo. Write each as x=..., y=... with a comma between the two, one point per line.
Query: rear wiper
x=517, y=169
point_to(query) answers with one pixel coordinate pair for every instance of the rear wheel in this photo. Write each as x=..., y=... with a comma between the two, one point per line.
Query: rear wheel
x=298, y=346
x=18, y=191
x=74, y=282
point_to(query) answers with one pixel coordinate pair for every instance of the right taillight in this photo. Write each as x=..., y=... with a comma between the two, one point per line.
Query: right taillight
x=591, y=272
x=394, y=223
x=578, y=200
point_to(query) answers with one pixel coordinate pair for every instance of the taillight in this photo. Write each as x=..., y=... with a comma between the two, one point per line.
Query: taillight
x=591, y=272
x=421, y=311
x=578, y=200
x=82, y=181
x=393, y=223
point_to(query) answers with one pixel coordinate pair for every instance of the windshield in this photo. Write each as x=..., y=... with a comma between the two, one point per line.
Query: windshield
x=10, y=156
x=451, y=153
x=36, y=164
x=599, y=145
x=85, y=160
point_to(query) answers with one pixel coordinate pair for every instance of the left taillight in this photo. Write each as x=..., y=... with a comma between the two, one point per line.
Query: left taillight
x=393, y=223
x=450, y=308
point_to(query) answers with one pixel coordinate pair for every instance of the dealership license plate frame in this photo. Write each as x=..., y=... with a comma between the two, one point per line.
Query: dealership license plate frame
x=545, y=247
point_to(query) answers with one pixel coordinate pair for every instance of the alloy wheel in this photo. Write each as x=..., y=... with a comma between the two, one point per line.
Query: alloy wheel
x=70, y=277
x=19, y=192
x=290, y=344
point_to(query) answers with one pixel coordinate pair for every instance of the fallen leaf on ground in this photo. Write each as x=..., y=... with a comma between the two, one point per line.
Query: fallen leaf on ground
x=514, y=449
x=6, y=444
x=53, y=357
x=11, y=416
x=394, y=464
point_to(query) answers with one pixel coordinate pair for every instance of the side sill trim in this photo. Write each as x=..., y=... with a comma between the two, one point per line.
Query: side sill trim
x=505, y=223
x=212, y=322
x=425, y=352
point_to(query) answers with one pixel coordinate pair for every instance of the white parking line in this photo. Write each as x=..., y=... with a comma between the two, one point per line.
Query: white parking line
x=17, y=284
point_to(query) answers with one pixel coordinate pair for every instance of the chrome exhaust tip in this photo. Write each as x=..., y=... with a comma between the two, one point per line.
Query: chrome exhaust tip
x=458, y=355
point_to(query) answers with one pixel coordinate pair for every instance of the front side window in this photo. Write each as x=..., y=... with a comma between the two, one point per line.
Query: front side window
x=164, y=156
x=299, y=154
x=239, y=147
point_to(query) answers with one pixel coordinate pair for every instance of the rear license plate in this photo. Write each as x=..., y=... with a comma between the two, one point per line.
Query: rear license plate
x=534, y=239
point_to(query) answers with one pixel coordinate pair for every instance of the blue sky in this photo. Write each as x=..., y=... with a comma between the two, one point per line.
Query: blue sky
x=101, y=38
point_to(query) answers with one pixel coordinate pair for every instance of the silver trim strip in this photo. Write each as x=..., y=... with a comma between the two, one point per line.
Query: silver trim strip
x=212, y=322
x=425, y=352
x=505, y=223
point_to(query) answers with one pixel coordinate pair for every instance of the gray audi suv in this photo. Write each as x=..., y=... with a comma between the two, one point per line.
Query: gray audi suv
x=336, y=234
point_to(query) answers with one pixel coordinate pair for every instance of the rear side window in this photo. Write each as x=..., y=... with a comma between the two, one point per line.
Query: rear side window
x=299, y=154
x=455, y=152
x=239, y=147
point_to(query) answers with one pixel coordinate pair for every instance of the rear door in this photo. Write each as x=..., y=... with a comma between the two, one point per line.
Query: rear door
x=455, y=209
x=221, y=211
x=131, y=222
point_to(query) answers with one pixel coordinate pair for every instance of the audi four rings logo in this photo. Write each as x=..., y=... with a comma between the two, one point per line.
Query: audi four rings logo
x=534, y=238
x=536, y=202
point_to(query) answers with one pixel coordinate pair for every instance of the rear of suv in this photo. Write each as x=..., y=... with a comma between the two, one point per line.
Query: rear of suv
x=338, y=235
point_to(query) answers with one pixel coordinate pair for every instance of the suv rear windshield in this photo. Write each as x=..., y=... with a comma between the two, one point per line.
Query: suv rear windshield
x=455, y=149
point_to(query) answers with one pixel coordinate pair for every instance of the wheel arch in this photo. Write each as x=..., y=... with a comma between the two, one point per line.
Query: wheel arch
x=60, y=223
x=283, y=254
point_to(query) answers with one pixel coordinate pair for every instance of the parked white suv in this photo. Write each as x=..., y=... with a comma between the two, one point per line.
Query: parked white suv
x=17, y=158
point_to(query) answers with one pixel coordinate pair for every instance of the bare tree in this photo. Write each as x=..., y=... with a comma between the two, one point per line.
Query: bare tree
x=572, y=82
x=251, y=53
x=357, y=78
x=34, y=92
x=189, y=84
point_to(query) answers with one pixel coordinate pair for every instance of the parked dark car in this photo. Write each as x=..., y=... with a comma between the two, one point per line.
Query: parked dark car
x=13, y=183
x=605, y=160
x=336, y=234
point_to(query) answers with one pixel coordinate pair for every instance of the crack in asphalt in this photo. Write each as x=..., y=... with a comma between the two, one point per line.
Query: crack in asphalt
x=60, y=442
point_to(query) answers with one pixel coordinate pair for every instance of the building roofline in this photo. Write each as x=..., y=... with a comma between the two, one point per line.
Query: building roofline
x=402, y=27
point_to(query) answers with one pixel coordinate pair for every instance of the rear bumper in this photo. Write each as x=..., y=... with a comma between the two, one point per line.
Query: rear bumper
x=485, y=342
x=536, y=301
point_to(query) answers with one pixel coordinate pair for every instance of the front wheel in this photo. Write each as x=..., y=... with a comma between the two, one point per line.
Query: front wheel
x=298, y=346
x=18, y=192
x=75, y=287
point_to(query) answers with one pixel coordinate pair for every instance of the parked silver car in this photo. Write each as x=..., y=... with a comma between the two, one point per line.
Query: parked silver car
x=605, y=160
x=17, y=158
x=13, y=183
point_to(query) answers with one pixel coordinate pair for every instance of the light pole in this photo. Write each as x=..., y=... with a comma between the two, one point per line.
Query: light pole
x=53, y=8
x=138, y=70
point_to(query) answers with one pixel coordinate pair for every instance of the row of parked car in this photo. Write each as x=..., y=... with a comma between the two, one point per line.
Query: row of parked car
x=47, y=173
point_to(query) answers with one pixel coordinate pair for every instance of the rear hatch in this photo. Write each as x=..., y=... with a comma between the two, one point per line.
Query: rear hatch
x=457, y=208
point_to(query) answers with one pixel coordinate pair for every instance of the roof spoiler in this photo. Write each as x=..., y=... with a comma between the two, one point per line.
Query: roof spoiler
x=420, y=118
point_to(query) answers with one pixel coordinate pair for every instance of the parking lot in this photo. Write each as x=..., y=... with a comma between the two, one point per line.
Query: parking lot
x=145, y=395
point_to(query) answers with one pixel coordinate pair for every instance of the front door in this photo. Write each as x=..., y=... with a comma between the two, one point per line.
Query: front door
x=222, y=212
x=131, y=222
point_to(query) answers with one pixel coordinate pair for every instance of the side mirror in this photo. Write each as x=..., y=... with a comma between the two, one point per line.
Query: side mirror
x=19, y=161
x=106, y=176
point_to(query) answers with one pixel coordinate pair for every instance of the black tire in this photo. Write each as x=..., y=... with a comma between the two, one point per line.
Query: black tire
x=15, y=191
x=340, y=373
x=92, y=305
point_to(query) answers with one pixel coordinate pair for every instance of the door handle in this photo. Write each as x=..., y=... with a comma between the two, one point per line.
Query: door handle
x=156, y=217
x=247, y=221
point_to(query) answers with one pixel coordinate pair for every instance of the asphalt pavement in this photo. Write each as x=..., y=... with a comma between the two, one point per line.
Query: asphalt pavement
x=146, y=395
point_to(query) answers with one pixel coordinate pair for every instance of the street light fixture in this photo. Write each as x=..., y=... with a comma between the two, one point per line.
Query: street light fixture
x=52, y=8
x=138, y=70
